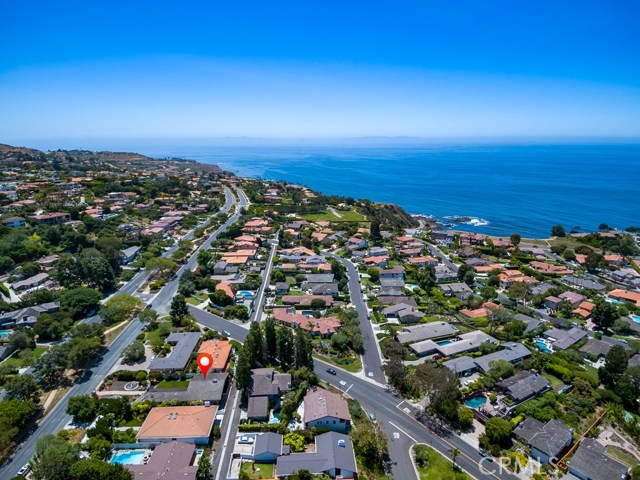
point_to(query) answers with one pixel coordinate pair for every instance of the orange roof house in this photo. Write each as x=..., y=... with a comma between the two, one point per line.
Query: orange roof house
x=226, y=288
x=548, y=268
x=220, y=350
x=185, y=424
x=625, y=296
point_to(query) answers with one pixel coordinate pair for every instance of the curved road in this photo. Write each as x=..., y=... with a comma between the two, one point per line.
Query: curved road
x=57, y=417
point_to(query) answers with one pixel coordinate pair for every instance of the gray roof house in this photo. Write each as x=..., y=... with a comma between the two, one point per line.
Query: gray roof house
x=460, y=290
x=128, y=254
x=268, y=447
x=524, y=385
x=321, y=288
x=265, y=385
x=547, y=441
x=178, y=359
x=199, y=389
x=319, y=278
x=170, y=461
x=31, y=282
x=426, y=331
x=596, y=347
x=563, y=339
x=511, y=352
x=530, y=322
x=591, y=462
x=334, y=456
x=26, y=317
x=461, y=365
x=392, y=282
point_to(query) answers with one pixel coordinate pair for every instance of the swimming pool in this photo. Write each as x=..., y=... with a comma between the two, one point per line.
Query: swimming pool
x=6, y=333
x=543, y=346
x=444, y=342
x=128, y=457
x=475, y=402
x=275, y=418
x=635, y=318
x=245, y=293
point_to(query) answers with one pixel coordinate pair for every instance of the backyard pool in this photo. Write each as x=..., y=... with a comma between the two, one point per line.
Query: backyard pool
x=6, y=333
x=475, y=402
x=444, y=342
x=245, y=293
x=543, y=346
x=275, y=418
x=128, y=457
x=635, y=318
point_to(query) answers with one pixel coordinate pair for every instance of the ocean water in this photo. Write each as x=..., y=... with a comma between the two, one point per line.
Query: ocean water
x=505, y=189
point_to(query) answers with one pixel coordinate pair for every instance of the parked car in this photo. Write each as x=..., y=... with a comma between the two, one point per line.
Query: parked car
x=486, y=455
x=332, y=371
x=24, y=470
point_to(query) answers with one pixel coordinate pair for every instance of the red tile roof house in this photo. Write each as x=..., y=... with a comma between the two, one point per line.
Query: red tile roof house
x=422, y=261
x=324, y=409
x=185, y=424
x=380, y=261
x=625, y=296
x=324, y=326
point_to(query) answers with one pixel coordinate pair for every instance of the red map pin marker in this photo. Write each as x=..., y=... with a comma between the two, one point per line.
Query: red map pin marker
x=204, y=361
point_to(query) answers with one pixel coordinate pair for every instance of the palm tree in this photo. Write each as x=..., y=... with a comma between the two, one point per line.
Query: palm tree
x=454, y=455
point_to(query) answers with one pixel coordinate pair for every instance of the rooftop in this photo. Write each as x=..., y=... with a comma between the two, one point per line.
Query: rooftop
x=176, y=422
x=320, y=403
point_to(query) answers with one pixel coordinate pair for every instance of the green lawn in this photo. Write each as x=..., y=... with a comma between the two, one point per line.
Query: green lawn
x=554, y=381
x=438, y=467
x=353, y=364
x=345, y=216
x=257, y=470
x=193, y=301
x=134, y=422
x=173, y=384
x=24, y=358
x=621, y=455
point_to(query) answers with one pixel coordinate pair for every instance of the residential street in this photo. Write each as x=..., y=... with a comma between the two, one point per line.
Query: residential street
x=372, y=363
x=57, y=417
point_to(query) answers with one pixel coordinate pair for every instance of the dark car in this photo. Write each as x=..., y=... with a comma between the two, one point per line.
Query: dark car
x=486, y=455
x=332, y=371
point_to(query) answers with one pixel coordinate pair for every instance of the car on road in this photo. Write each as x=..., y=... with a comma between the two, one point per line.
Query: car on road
x=24, y=470
x=486, y=455
x=332, y=371
x=372, y=417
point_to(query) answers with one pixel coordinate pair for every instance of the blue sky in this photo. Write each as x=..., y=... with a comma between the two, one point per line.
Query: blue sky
x=475, y=68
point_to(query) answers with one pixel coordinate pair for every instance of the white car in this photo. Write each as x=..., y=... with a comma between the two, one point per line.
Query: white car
x=24, y=470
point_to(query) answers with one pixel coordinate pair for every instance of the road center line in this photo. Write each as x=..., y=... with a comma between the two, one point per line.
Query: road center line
x=396, y=426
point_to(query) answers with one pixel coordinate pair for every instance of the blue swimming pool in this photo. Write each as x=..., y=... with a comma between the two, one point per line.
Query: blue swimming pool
x=245, y=293
x=275, y=418
x=444, y=342
x=475, y=402
x=635, y=318
x=543, y=346
x=6, y=333
x=128, y=457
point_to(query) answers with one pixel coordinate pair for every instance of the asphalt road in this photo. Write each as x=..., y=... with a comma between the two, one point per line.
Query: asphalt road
x=57, y=417
x=437, y=253
x=384, y=405
x=372, y=363
x=266, y=278
x=375, y=399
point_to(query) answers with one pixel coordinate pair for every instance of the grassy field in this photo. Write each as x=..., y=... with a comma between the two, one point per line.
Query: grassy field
x=554, y=381
x=621, y=455
x=354, y=366
x=257, y=470
x=24, y=358
x=438, y=467
x=193, y=301
x=173, y=384
x=329, y=216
